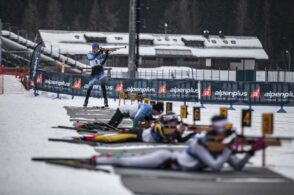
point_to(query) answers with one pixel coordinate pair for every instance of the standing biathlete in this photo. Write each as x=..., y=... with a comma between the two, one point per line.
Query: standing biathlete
x=97, y=60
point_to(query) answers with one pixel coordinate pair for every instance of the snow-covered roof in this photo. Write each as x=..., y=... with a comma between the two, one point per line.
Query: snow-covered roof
x=79, y=42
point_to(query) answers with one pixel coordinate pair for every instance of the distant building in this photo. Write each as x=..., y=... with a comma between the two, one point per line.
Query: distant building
x=196, y=51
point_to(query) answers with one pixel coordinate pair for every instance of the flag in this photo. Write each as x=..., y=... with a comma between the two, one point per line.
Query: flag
x=119, y=87
x=40, y=79
x=34, y=62
x=77, y=84
x=162, y=89
x=206, y=91
x=255, y=93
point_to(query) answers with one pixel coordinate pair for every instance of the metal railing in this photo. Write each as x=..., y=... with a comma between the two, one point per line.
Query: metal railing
x=197, y=74
x=203, y=74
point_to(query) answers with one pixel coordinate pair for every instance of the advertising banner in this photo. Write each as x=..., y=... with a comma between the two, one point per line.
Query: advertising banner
x=221, y=92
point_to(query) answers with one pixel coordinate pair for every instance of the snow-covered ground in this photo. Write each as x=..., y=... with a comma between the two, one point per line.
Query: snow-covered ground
x=25, y=126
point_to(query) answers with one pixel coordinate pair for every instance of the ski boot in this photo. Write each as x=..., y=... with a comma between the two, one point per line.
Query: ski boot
x=85, y=103
x=106, y=104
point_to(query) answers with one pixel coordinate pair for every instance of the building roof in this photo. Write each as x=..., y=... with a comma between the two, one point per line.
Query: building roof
x=79, y=42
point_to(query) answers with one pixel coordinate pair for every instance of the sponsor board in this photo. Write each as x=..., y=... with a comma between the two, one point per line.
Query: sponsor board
x=227, y=92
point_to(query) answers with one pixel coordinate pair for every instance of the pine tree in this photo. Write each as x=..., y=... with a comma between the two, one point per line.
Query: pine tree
x=54, y=15
x=110, y=16
x=31, y=18
x=182, y=17
x=241, y=17
x=96, y=17
x=76, y=24
x=267, y=29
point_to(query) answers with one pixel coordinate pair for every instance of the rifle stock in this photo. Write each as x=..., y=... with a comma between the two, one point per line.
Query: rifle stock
x=215, y=145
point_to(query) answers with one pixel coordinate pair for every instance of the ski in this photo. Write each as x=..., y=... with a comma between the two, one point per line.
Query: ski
x=64, y=127
x=74, y=128
x=97, y=125
x=108, y=125
x=86, y=108
x=76, y=141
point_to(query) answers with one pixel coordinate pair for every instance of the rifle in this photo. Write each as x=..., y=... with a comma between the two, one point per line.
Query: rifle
x=218, y=143
x=112, y=48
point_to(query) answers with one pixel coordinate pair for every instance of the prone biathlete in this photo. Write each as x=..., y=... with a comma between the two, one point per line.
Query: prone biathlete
x=196, y=157
x=137, y=112
x=154, y=134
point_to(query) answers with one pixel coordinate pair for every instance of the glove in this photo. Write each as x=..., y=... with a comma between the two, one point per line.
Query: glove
x=92, y=160
x=258, y=145
x=234, y=146
x=201, y=137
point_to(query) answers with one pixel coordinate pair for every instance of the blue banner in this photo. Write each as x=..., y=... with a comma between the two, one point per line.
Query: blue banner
x=220, y=92
x=77, y=85
x=35, y=60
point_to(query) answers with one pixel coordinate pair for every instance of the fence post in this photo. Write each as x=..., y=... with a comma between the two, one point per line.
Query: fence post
x=266, y=75
x=228, y=74
x=278, y=76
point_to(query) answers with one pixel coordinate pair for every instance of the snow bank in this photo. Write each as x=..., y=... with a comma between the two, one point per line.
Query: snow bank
x=25, y=126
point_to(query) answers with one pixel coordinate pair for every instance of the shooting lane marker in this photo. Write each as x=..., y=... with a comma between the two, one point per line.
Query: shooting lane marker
x=196, y=114
x=183, y=112
x=267, y=129
x=169, y=107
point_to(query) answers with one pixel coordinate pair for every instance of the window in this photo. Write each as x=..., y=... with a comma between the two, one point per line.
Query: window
x=91, y=39
x=146, y=41
x=77, y=36
x=225, y=41
x=213, y=41
x=233, y=41
x=173, y=52
x=190, y=59
x=118, y=38
x=195, y=43
x=175, y=40
x=149, y=58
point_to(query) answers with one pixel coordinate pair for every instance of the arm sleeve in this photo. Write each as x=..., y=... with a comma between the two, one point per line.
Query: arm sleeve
x=90, y=56
x=185, y=138
x=139, y=116
x=238, y=164
x=150, y=160
x=104, y=59
x=204, y=156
